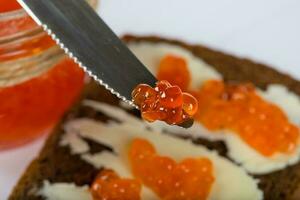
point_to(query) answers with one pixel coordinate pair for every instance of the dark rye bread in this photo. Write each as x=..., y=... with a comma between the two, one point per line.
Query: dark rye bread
x=56, y=164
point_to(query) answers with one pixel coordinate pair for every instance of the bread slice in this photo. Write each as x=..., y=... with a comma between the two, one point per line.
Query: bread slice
x=56, y=164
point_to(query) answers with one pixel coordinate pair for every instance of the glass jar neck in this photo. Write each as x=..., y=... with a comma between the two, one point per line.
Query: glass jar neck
x=25, y=50
x=20, y=36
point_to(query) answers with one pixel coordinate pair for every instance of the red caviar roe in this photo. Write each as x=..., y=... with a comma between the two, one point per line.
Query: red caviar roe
x=175, y=70
x=164, y=102
x=9, y=5
x=237, y=107
x=29, y=109
x=191, y=178
x=109, y=186
x=262, y=125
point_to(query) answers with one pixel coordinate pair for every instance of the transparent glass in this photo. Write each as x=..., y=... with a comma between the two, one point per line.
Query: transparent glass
x=38, y=83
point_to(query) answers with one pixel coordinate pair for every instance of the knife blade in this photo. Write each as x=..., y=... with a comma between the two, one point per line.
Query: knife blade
x=85, y=37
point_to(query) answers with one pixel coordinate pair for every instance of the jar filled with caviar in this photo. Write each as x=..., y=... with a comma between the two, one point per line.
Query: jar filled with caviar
x=38, y=82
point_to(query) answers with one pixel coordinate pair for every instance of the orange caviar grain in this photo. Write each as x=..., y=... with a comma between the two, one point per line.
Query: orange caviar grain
x=190, y=104
x=238, y=107
x=142, y=93
x=175, y=70
x=109, y=186
x=191, y=178
x=171, y=98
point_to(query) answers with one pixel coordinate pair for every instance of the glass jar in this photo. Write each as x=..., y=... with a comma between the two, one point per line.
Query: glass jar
x=38, y=83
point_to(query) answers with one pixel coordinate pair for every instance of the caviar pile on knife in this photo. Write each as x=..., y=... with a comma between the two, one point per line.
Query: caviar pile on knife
x=165, y=103
x=236, y=107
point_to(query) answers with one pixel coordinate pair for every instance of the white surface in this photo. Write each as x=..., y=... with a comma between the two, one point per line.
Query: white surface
x=268, y=31
x=13, y=163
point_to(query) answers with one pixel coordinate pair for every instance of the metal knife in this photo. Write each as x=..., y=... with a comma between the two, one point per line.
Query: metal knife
x=85, y=37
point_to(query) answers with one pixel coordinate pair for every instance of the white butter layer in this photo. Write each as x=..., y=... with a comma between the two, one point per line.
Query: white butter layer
x=227, y=185
x=288, y=101
x=77, y=145
x=64, y=191
x=238, y=149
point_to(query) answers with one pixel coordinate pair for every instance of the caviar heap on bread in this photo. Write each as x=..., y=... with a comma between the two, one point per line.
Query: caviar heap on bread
x=191, y=178
x=165, y=102
x=238, y=107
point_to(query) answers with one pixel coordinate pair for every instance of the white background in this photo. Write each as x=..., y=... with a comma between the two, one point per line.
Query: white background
x=265, y=30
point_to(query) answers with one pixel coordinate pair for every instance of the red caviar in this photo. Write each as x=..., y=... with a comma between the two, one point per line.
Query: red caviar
x=238, y=107
x=34, y=106
x=164, y=102
x=9, y=5
x=109, y=186
x=174, y=69
x=191, y=178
